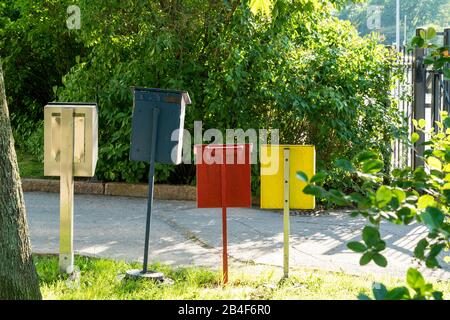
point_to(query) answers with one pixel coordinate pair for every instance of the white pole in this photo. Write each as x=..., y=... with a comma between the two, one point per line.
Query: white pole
x=397, y=26
x=405, y=41
x=397, y=147
x=286, y=214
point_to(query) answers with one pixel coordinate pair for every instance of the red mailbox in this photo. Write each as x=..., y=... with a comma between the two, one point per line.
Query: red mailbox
x=232, y=161
x=223, y=180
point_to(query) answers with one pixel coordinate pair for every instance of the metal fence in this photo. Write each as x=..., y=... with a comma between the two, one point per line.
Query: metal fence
x=422, y=95
x=402, y=153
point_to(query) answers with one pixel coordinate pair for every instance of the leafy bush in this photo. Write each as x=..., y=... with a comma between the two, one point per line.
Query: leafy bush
x=36, y=50
x=420, y=288
x=301, y=70
x=29, y=136
x=437, y=56
x=420, y=195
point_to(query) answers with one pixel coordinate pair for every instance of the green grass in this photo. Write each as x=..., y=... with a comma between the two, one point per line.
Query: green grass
x=103, y=279
x=29, y=166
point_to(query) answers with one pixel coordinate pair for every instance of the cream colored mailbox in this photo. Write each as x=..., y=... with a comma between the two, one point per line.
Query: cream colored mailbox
x=70, y=150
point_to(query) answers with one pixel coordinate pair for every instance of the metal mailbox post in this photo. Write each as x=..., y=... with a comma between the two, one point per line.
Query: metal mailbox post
x=280, y=188
x=70, y=150
x=223, y=180
x=157, y=114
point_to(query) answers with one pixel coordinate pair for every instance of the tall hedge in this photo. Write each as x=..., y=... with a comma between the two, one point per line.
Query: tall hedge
x=301, y=70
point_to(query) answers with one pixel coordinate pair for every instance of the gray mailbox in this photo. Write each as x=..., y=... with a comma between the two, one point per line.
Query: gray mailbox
x=171, y=105
x=156, y=136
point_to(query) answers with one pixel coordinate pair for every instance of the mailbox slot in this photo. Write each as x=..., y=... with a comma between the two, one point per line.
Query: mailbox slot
x=79, y=138
x=55, y=137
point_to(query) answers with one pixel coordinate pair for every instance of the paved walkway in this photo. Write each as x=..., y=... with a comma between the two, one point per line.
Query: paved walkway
x=181, y=234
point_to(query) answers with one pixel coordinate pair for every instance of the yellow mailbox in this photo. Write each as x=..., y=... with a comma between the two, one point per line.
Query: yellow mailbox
x=301, y=158
x=70, y=149
x=280, y=187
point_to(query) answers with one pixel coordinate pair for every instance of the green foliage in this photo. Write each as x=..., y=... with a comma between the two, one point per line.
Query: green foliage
x=371, y=248
x=262, y=6
x=29, y=136
x=37, y=50
x=28, y=166
x=421, y=290
x=437, y=56
x=299, y=70
x=420, y=195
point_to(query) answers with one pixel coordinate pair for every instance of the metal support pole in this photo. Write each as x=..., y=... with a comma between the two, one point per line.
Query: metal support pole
x=405, y=34
x=420, y=80
x=397, y=25
x=447, y=82
x=151, y=180
x=286, y=213
x=436, y=100
x=66, y=256
x=224, y=219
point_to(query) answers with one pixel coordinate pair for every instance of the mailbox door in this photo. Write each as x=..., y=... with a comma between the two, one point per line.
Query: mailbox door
x=85, y=141
x=171, y=107
x=301, y=158
x=85, y=135
x=237, y=175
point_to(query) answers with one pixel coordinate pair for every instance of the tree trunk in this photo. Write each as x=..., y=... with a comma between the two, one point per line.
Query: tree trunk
x=18, y=277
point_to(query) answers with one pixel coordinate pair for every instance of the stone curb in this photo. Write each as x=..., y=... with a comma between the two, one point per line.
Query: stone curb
x=139, y=190
x=161, y=192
